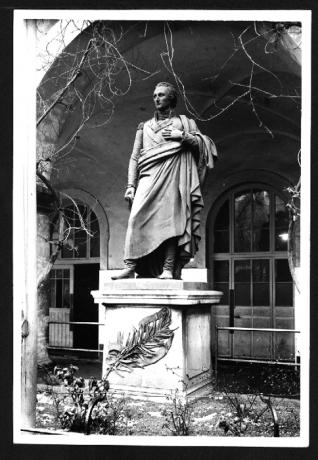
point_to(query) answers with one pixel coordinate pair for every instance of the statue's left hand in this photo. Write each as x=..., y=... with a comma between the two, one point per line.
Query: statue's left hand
x=172, y=133
x=130, y=194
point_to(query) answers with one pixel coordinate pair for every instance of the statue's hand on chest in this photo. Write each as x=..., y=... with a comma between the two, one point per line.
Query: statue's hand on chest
x=173, y=131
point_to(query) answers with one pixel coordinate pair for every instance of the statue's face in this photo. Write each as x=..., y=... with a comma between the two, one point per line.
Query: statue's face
x=161, y=97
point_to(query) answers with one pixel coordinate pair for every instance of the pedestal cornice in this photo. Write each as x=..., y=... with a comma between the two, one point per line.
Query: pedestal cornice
x=156, y=297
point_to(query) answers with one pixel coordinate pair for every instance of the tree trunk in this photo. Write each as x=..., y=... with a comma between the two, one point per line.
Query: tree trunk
x=43, y=257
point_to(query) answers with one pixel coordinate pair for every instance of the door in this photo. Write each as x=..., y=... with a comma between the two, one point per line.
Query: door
x=249, y=261
x=61, y=293
x=85, y=310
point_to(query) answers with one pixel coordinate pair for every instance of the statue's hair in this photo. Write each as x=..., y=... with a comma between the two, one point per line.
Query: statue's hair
x=173, y=95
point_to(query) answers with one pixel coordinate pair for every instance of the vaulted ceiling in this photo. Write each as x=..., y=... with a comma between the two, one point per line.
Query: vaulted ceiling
x=209, y=64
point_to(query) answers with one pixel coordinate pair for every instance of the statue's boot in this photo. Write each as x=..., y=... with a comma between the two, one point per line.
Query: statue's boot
x=127, y=272
x=170, y=257
x=178, y=269
x=166, y=275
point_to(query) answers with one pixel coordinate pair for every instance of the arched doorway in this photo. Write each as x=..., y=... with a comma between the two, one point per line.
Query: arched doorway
x=74, y=275
x=247, y=254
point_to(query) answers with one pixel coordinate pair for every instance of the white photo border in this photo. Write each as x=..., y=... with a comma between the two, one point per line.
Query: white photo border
x=24, y=208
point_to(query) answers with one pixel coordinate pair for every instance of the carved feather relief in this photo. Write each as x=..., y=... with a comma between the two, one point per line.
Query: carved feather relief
x=145, y=345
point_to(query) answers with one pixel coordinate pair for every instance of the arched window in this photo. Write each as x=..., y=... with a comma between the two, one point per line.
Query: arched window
x=247, y=253
x=74, y=275
x=83, y=233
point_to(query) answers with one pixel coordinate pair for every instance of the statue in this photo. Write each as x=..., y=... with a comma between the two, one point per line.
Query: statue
x=166, y=169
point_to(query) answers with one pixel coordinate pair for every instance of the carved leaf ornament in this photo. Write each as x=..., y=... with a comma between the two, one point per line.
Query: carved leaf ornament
x=145, y=345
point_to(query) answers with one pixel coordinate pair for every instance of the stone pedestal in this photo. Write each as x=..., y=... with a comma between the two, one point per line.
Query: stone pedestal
x=187, y=365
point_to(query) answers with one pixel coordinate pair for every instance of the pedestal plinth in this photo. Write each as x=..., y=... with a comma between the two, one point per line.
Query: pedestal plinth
x=187, y=364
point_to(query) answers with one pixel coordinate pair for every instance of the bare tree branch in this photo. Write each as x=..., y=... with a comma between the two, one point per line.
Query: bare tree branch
x=76, y=74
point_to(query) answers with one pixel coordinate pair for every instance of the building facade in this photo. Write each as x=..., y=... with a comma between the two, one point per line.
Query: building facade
x=241, y=81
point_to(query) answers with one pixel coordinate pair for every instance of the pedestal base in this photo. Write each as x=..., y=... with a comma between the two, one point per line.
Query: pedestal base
x=187, y=365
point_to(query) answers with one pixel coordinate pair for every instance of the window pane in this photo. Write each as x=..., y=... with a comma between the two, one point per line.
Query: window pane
x=221, y=229
x=242, y=271
x=78, y=218
x=281, y=225
x=67, y=249
x=242, y=283
x=60, y=288
x=284, y=294
x=221, y=270
x=243, y=221
x=66, y=293
x=223, y=287
x=81, y=244
x=79, y=215
x=67, y=253
x=260, y=220
x=59, y=295
x=221, y=279
x=282, y=271
x=242, y=294
x=58, y=274
x=53, y=293
x=260, y=271
x=260, y=282
x=283, y=283
x=94, y=240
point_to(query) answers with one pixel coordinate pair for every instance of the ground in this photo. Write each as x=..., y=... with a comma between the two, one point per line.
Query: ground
x=238, y=408
x=146, y=418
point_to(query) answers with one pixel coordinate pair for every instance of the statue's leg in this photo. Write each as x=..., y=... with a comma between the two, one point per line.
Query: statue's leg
x=128, y=271
x=169, y=259
x=180, y=263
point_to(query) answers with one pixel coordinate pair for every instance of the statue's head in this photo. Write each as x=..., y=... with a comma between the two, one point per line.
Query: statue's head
x=169, y=95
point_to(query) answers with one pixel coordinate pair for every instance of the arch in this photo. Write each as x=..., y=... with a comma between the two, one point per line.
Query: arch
x=213, y=212
x=213, y=192
x=91, y=201
x=248, y=261
x=52, y=42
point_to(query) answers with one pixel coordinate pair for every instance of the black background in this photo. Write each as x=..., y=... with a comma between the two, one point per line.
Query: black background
x=25, y=452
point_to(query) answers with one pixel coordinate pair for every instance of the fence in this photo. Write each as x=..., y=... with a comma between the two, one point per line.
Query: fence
x=249, y=360
x=59, y=339
x=61, y=335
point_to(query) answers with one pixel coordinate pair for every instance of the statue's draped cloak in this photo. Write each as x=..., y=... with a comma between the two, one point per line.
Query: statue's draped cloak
x=168, y=198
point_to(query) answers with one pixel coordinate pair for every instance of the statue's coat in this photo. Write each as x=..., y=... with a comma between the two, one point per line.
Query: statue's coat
x=168, y=197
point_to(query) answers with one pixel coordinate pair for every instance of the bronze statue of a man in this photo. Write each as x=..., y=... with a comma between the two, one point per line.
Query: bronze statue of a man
x=166, y=169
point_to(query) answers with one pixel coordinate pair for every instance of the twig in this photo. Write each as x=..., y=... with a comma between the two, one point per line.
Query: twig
x=270, y=95
x=269, y=404
x=261, y=124
x=75, y=75
x=243, y=45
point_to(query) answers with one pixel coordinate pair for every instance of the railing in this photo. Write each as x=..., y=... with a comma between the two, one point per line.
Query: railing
x=249, y=360
x=63, y=335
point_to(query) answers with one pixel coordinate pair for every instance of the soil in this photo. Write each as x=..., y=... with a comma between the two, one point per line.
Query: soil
x=236, y=407
x=148, y=418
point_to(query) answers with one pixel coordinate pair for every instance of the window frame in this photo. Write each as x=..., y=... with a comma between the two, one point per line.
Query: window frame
x=271, y=255
x=71, y=278
x=64, y=261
